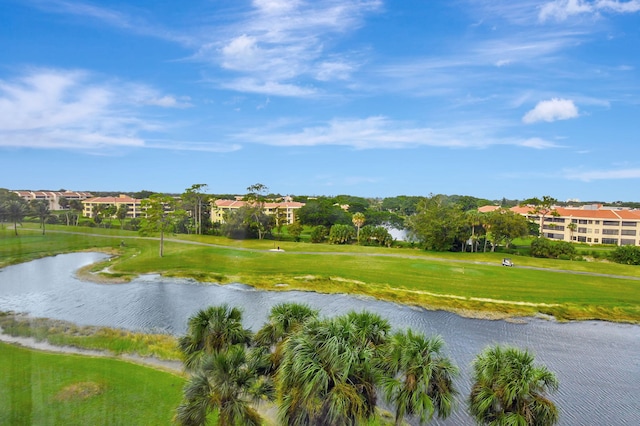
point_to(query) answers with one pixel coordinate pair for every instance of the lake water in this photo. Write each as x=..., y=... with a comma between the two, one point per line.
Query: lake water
x=597, y=363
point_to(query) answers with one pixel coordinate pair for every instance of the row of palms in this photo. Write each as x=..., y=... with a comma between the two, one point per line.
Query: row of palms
x=328, y=371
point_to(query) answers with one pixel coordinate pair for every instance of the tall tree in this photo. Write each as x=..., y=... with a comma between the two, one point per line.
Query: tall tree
x=161, y=213
x=121, y=213
x=506, y=226
x=541, y=208
x=358, y=220
x=77, y=207
x=40, y=208
x=295, y=230
x=15, y=211
x=437, y=223
x=419, y=379
x=508, y=389
x=255, y=198
x=195, y=198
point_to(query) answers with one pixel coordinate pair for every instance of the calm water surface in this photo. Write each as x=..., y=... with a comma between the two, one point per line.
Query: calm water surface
x=597, y=363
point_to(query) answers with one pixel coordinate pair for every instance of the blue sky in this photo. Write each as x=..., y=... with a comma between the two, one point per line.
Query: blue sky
x=494, y=98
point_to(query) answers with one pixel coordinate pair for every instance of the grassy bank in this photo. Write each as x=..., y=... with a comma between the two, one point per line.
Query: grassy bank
x=469, y=283
x=52, y=389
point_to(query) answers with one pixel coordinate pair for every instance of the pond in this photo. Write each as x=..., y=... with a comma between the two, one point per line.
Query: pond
x=597, y=363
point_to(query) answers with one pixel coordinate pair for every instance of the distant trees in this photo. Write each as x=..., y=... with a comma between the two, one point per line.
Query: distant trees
x=437, y=224
x=375, y=236
x=195, y=200
x=295, y=230
x=507, y=226
x=324, y=212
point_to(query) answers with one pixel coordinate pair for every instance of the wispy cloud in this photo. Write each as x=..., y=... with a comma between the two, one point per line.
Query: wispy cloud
x=380, y=132
x=551, y=110
x=70, y=109
x=561, y=10
x=591, y=175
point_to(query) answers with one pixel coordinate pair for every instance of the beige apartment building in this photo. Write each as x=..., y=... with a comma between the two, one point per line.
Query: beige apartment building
x=287, y=207
x=593, y=224
x=133, y=204
x=53, y=197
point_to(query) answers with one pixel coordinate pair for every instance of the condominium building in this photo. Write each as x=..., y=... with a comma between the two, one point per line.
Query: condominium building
x=287, y=207
x=133, y=204
x=591, y=224
x=53, y=197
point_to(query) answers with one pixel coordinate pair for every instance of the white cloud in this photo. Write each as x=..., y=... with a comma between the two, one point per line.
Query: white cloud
x=251, y=85
x=551, y=110
x=281, y=41
x=538, y=143
x=63, y=109
x=379, y=132
x=561, y=10
x=591, y=175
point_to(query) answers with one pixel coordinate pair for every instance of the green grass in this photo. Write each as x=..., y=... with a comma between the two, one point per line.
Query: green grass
x=470, y=283
x=51, y=389
x=115, y=341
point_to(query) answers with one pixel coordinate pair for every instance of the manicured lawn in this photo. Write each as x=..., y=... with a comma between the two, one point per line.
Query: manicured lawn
x=38, y=388
x=462, y=282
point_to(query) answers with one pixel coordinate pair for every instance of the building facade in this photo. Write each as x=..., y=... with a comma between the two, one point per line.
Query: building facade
x=133, y=204
x=287, y=209
x=53, y=197
x=591, y=224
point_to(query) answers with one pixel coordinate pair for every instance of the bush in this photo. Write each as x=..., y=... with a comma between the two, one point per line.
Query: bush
x=375, y=236
x=628, y=255
x=544, y=247
x=318, y=234
x=341, y=234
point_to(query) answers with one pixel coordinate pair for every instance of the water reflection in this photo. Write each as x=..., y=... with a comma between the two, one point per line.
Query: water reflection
x=597, y=363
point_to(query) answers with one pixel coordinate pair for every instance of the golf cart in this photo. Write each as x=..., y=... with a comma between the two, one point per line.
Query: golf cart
x=507, y=262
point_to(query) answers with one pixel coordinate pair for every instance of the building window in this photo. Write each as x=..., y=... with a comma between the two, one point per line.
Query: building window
x=582, y=239
x=628, y=232
x=588, y=240
x=590, y=222
x=627, y=242
x=610, y=232
x=582, y=221
x=574, y=220
x=610, y=241
x=582, y=230
x=629, y=223
x=611, y=223
x=595, y=240
x=597, y=222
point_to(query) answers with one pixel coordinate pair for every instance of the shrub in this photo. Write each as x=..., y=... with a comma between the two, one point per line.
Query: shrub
x=375, y=236
x=628, y=255
x=318, y=234
x=543, y=247
x=341, y=234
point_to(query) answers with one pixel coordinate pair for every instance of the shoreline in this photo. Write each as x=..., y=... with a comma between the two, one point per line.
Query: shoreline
x=175, y=367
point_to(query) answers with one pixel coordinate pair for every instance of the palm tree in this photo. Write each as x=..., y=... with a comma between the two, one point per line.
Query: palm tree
x=358, y=220
x=419, y=379
x=284, y=319
x=41, y=209
x=572, y=227
x=509, y=390
x=15, y=211
x=329, y=371
x=212, y=330
x=226, y=382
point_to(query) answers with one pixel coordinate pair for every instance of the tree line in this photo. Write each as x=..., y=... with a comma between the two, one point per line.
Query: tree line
x=335, y=371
